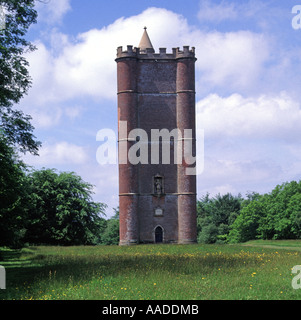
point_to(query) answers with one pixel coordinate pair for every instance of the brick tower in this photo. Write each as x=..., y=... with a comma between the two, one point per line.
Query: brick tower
x=157, y=198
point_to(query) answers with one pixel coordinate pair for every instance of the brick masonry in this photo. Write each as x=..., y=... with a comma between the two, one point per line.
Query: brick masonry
x=156, y=91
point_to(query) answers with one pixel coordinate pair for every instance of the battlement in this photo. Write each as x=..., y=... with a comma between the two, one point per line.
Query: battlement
x=149, y=53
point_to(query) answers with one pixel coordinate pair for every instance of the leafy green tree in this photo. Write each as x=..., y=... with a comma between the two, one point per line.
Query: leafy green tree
x=276, y=215
x=281, y=212
x=245, y=227
x=62, y=211
x=215, y=215
x=14, y=76
x=224, y=206
x=16, y=131
x=293, y=211
x=13, y=194
x=110, y=235
x=208, y=234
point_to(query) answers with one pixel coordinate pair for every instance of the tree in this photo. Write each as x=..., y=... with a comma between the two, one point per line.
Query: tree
x=14, y=76
x=245, y=227
x=13, y=194
x=16, y=131
x=62, y=211
x=294, y=213
x=110, y=235
x=275, y=215
x=215, y=216
x=281, y=221
x=208, y=234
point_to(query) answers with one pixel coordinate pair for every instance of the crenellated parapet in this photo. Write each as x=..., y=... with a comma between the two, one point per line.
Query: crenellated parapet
x=150, y=54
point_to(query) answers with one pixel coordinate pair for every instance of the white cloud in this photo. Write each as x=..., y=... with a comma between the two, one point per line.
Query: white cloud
x=272, y=117
x=60, y=153
x=217, y=12
x=52, y=11
x=105, y=180
x=41, y=64
x=234, y=60
x=85, y=66
x=46, y=118
x=251, y=143
x=239, y=176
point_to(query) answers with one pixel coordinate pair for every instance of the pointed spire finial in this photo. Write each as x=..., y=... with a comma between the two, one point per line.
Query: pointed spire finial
x=145, y=42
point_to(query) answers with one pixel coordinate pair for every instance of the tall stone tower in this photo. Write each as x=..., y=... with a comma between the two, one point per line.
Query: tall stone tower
x=156, y=94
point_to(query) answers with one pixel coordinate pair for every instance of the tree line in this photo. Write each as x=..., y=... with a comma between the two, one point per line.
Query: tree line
x=46, y=207
x=233, y=219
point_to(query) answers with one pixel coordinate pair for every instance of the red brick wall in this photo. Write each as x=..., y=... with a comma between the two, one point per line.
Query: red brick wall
x=156, y=91
x=187, y=231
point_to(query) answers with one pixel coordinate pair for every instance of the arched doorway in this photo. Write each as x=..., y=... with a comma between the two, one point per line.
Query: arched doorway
x=159, y=235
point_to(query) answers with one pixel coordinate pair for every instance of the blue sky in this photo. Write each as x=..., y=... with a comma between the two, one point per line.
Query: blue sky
x=248, y=79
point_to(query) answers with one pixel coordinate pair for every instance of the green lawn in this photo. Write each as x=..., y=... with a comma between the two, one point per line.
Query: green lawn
x=155, y=272
x=287, y=244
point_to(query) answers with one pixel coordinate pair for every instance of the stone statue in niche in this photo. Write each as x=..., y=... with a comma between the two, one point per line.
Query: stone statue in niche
x=158, y=185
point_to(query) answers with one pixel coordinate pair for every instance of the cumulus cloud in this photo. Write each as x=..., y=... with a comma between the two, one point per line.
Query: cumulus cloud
x=60, y=153
x=251, y=143
x=273, y=117
x=234, y=60
x=52, y=11
x=85, y=66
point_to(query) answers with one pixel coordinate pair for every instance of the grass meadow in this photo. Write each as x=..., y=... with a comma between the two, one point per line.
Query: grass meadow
x=257, y=270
